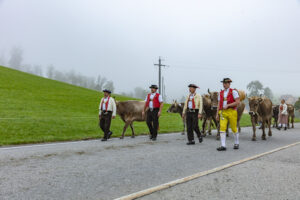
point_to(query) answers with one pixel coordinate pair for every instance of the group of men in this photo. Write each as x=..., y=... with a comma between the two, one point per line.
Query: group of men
x=192, y=112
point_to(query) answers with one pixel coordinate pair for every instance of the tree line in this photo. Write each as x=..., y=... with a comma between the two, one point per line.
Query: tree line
x=15, y=61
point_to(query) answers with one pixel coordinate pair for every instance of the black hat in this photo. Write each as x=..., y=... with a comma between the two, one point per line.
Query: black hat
x=226, y=80
x=154, y=86
x=106, y=90
x=193, y=85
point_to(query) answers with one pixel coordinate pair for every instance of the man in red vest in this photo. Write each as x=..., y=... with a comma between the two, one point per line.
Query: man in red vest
x=107, y=111
x=153, y=105
x=228, y=101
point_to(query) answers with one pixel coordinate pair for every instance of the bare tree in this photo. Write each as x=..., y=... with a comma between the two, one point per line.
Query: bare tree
x=16, y=58
x=37, y=70
x=110, y=86
x=50, y=71
x=100, y=83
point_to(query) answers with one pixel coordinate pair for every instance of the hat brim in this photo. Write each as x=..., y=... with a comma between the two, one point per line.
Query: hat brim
x=226, y=81
x=154, y=87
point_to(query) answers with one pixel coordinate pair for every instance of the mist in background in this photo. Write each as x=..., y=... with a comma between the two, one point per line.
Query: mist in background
x=118, y=42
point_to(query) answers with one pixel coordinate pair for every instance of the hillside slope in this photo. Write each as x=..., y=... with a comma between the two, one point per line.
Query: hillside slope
x=35, y=109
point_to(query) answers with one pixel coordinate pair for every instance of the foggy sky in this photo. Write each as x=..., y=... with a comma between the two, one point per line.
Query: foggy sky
x=201, y=41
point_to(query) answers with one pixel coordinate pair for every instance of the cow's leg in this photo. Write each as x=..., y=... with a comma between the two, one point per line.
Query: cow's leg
x=254, y=128
x=238, y=124
x=132, y=130
x=293, y=122
x=124, y=129
x=203, y=126
x=269, y=124
x=275, y=122
x=227, y=130
x=209, y=126
x=263, y=136
x=183, y=121
x=217, y=126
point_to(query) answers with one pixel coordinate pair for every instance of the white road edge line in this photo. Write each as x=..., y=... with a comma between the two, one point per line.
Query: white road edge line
x=197, y=175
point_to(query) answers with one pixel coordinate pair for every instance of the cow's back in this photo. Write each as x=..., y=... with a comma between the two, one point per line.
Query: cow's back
x=240, y=109
x=291, y=110
x=266, y=108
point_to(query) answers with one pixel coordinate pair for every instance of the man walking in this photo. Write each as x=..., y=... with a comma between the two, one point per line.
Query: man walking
x=193, y=109
x=153, y=106
x=227, y=112
x=107, y=111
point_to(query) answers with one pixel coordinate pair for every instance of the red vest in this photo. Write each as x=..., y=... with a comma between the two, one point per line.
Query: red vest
x=155, y=100
x=230, y=98
x=106, y=104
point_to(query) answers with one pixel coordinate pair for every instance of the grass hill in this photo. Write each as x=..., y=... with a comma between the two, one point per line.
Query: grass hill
x=35, y=109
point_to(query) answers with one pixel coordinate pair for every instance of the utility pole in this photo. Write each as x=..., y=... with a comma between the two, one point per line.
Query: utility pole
x=159, y=74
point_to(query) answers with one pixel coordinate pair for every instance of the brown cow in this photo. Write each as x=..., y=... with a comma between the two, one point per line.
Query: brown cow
x=261, y=107
x=275, y=115
x=130, y=111
x=291, y=116
x=178, y=108
x=210, y=106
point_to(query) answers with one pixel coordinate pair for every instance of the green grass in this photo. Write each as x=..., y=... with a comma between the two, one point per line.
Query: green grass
x=35, y=110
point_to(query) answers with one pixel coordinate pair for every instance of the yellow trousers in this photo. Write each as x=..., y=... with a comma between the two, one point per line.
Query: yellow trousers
x=228, y=115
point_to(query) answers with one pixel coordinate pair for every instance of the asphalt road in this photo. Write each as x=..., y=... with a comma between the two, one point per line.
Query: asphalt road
x=107, y=170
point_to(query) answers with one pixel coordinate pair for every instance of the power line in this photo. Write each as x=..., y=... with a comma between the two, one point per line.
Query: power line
x=160, y=65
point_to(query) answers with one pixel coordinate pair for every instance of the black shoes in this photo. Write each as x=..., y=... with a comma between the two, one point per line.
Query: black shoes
x=104, y=139
x=190, y=143
x=221, y=148
x=109, y=134
x=285, y=128
x=153, y=139
x=236, y=146
x=279, y=128
x=200, y=139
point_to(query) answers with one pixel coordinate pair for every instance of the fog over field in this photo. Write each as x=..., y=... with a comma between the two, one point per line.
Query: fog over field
x=201, y=41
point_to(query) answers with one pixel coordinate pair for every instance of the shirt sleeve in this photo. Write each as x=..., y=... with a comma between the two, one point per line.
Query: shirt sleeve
x=185, y=106
x=100, y=107
x=219, y=96
x=235, y=94
x=160, y=99
x=201, y=104
x=146, y=98
x=114, y=107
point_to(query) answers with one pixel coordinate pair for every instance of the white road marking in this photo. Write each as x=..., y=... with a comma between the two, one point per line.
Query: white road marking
x=197, y=175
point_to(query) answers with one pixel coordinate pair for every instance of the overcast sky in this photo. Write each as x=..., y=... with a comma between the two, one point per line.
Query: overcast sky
x=201, y=41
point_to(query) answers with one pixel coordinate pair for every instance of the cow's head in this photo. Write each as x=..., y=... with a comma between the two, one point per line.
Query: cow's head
x=174, y=108
x=254, y=103
x=214, y=100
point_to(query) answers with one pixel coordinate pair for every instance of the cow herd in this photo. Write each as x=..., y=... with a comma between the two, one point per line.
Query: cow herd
x=261, y=111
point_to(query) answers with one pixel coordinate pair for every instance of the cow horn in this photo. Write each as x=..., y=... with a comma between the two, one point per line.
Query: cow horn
x=208, y=91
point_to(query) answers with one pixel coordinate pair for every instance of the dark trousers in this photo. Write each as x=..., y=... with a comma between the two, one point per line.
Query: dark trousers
x=104, y=123
x=152, y=121
x=192, y=124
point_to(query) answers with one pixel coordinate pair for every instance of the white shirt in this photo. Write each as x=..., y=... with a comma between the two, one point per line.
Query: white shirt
x=190, y=103
x=226, y=91
x=104, y=103
x=111, y=106
x=284, y=110
x=151, y=98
